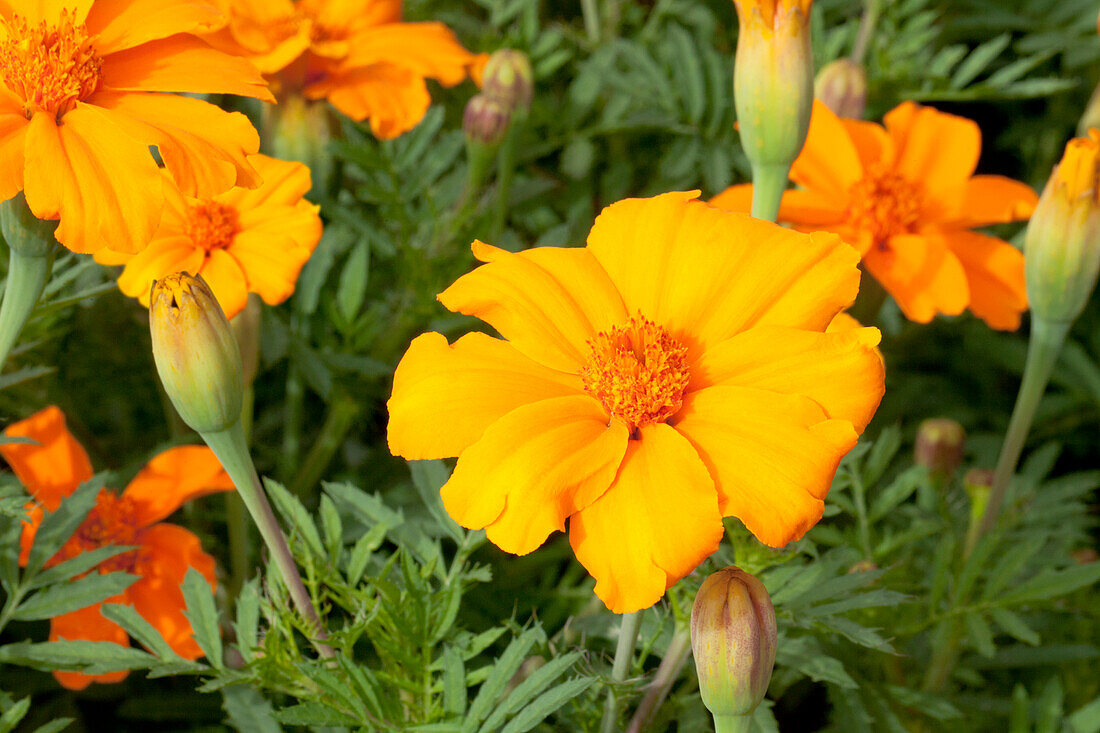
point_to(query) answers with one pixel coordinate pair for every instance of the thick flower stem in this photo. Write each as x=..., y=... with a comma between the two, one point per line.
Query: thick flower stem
x=768, y=183
x=27, y=276
x=676, y=656
x=506, y=165
x=231, y=448
x=624, y=654
x=732, y=723
x=872, y=11
x=1046, y=342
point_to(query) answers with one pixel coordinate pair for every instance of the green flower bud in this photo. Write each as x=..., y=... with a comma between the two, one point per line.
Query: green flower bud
x=842, y=86
x=733, y=637
x=508, y=78
x=485, y=121
x=940, y=445
x=196, y=353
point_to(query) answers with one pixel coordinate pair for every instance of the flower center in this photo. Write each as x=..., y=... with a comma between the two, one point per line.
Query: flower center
x=884, y=204
x=50, y=67
x=638, y=371
x=111, y=522
x=212, y=225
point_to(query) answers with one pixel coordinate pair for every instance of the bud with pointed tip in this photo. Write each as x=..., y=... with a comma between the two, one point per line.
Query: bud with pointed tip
x=508, y=78
x=842, y=86
x=733, y=638
x=196, y=353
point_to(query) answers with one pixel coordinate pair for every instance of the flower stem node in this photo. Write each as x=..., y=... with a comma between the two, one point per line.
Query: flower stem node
x=842, y=86
x=733, y=638
x=940, y=445
x=1062, y=246
x=196, y=353
x=508, y=78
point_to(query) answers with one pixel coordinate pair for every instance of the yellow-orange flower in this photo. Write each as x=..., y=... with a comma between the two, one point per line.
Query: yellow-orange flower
x=52, y=470
x=355, y=53
x=240, y=241
x=905, y=196
x=672, y=372
x=80, y=104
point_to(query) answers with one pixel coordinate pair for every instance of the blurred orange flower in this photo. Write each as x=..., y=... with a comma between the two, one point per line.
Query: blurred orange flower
x=55, y=467
x=905, y=196
x=673, y=372
x=240, y=241
x=80, y=104
x=355, y=53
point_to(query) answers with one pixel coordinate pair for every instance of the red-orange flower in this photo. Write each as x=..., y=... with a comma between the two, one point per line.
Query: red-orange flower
x=674, y=371
x=905, y=196
x=80, y=104
x=55, y=467
x=355, y=53
x=240, y=241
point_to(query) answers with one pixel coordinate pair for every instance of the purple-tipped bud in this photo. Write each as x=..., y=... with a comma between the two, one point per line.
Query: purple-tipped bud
x=940, y=445
x=733, y=638
x=508, y=78
x=842, y=86
x=485, y=120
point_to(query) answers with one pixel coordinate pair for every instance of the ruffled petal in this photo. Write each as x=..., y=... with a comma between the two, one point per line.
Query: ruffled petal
x=101, y=183
x=173, y=477
x=772, y=456
x=995, y=275
x=922, y=274
x=121, y=24
x=284, y=183
x=707, y=274
x=829, y=162
x=533, y=468
x=548, y=301
x=934, y=149
x=394, y=98
x=13, y=141
x=841, y=371
x=428, y=49
x=227, y=281
x=655, y=524
x=994, y=200
x=445, y=396
x=352, y=14
x=53, y=469
x=162, y=257
x=87, y=624
x=872, y=143
x=181, y=63
x=167, y=552
x=271, y=262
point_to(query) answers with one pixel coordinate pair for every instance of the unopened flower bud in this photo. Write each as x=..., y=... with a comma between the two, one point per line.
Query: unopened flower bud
x=508, y=78
x=485, y=121
x=773, y=78
x=842, y=86
x=733, y=638
x=940, y=445
x=1062, y=247
x=196, y=353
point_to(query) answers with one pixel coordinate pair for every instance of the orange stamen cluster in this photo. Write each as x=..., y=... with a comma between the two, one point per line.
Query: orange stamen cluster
x=111, y=522
x=212, y=225
x=884, y=204
x=50, y=67
x=638, y=372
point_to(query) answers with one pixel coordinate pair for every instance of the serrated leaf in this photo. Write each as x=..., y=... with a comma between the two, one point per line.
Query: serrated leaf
x=932, y=705
x=332, y=527
x=1052, y=583
x=294, y=514
x=978, y=59
x=428, y=478
x=72, y=596
x=92, y=657
x=82, y=563
x=312, y=713
x=134, y=624
x=454, y=682
x=1014, y=626
x=57, y=527
x=247, y=624
x=546, y=704
x=203, y=615
x=534, y=685
x=248, y=711
x=503, y=670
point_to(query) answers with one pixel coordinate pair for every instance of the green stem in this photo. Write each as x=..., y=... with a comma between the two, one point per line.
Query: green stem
x=944, y=656
x=872, y=11
x=624, y=654
x=27, y=276
x=769, y=181
x=732, y=723
x=292, y=420
x=591, y=13
x=341, y=416
x=231, y=448
x=676, y=656
x=239, y=545
x=1046, y=343
x=506, y=165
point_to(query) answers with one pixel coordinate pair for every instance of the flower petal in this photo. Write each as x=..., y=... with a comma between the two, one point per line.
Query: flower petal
x=173, y=477
x=393, y=97
x=271, y=262
x=772, y=456
x=445, y=396
x=995, y=200
x=284, y=183
x=922, y=274
x=533, y=468
x=841, y=371
x=36, y=11
x=87, y=624
x=53, y=469
x=655, y=524
x=227, y=280
x=428, y=49
x=13, y=141
x=829, y=162
x=120, y=24
x=546, y=301
x=798, y=205
x=872, y=143
x=101, y=183
x=995, y=274
x=707, y=274
x=162, y=257
x=935, y=149
x=168, y=552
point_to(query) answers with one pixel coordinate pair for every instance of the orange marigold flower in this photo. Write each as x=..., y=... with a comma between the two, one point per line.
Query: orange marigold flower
x=905, y=196
x=357, y=54
x=240, y=241
x=674, y=371
x=80, y=104
x=55, y=467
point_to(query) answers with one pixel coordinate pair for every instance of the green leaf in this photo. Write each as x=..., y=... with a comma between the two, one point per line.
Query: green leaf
x=1014, y=626
x=92, y=657
x=203, y=615
x=82, y=563
x=980, y=58
x=1027, y=656
x=14, y=714
x=294, y=514
x=18, y=377
x=428, y=478
x=934, y=706
x=332, y=527
x=55, y=726
x=57, y=527
x=454, y=682
x=882, y=452
x=546, y=704
x=979, y=634
x=353, y=282
x=1086, y=719
x=136, y=626
x=247, y=624
x=534, y=685
x=503, y=670
x=72, y=596
x=1052, y=583
x=312, y=713
x=248, y=711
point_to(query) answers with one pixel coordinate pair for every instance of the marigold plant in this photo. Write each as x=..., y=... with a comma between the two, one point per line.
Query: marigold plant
x=358, y=55
x=82, y=95
x=240, y=241
x=52, y=469
x=673, y=372
x=905, y=195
